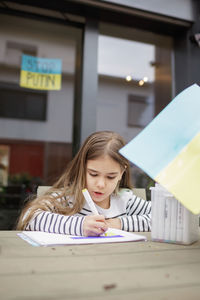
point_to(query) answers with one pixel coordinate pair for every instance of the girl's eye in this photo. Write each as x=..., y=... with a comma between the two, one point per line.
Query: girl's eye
x=93, y=174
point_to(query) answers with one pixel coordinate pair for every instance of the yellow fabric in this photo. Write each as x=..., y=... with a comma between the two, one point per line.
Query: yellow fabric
x=40, y=81
x=182, y=176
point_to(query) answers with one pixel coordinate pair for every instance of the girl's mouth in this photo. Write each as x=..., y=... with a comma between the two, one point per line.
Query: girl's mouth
x=98, y=194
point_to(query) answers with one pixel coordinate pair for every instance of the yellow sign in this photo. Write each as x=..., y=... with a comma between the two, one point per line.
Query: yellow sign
x=40, y=73
x=40, y=81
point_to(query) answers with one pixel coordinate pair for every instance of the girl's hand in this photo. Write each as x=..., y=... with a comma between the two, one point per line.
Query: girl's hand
x=114, y=223
x=94, y=225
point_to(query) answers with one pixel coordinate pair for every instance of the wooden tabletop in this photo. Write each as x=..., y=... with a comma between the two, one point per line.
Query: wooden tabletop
x=120, y=271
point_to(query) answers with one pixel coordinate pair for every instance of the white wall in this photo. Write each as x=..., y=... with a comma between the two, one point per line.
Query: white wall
x=112, y=109
x=182, y=9
x=51, y=41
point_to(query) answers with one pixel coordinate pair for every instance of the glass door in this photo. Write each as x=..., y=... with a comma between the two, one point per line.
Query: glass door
x=134, y=72
x=37, y=78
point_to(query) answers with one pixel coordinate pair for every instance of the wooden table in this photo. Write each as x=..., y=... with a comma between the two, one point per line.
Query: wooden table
x=136, y=270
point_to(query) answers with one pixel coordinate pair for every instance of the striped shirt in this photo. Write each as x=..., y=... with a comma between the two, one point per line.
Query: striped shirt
x=134, y=213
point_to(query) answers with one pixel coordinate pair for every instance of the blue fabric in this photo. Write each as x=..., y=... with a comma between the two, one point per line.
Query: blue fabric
x=41, y=65
x=168, y=133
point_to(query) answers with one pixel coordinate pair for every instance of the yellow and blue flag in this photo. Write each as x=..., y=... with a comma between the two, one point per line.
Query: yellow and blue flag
x=168, y=149
x=40, y=73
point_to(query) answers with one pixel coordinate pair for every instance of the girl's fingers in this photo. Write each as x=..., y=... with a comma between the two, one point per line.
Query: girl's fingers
x=102, y=228
x=96, y=230
x=94, y=225
x=100, y=223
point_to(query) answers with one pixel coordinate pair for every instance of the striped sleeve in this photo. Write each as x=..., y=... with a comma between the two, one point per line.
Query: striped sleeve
x=56, y=223
x=138, y=215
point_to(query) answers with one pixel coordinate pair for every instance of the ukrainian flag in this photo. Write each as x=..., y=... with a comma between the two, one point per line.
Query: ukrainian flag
x=168, y=149
x=40, y=73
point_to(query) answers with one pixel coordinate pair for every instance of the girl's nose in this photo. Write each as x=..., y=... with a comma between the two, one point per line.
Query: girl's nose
x=101, y=182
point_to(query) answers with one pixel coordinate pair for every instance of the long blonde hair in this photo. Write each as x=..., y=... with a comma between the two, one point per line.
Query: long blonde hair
x=73, y=180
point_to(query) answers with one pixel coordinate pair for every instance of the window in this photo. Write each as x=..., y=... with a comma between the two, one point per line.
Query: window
x=19, y=103
x=14, y=51
x=140, y=111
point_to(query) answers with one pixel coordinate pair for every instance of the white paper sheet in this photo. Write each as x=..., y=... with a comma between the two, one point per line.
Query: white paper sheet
x=38, y=238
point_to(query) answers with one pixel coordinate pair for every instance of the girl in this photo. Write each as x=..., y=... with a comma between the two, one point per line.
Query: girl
x=100, y=168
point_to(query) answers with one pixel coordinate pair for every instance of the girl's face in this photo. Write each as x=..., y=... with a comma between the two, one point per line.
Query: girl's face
x=102, y=176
